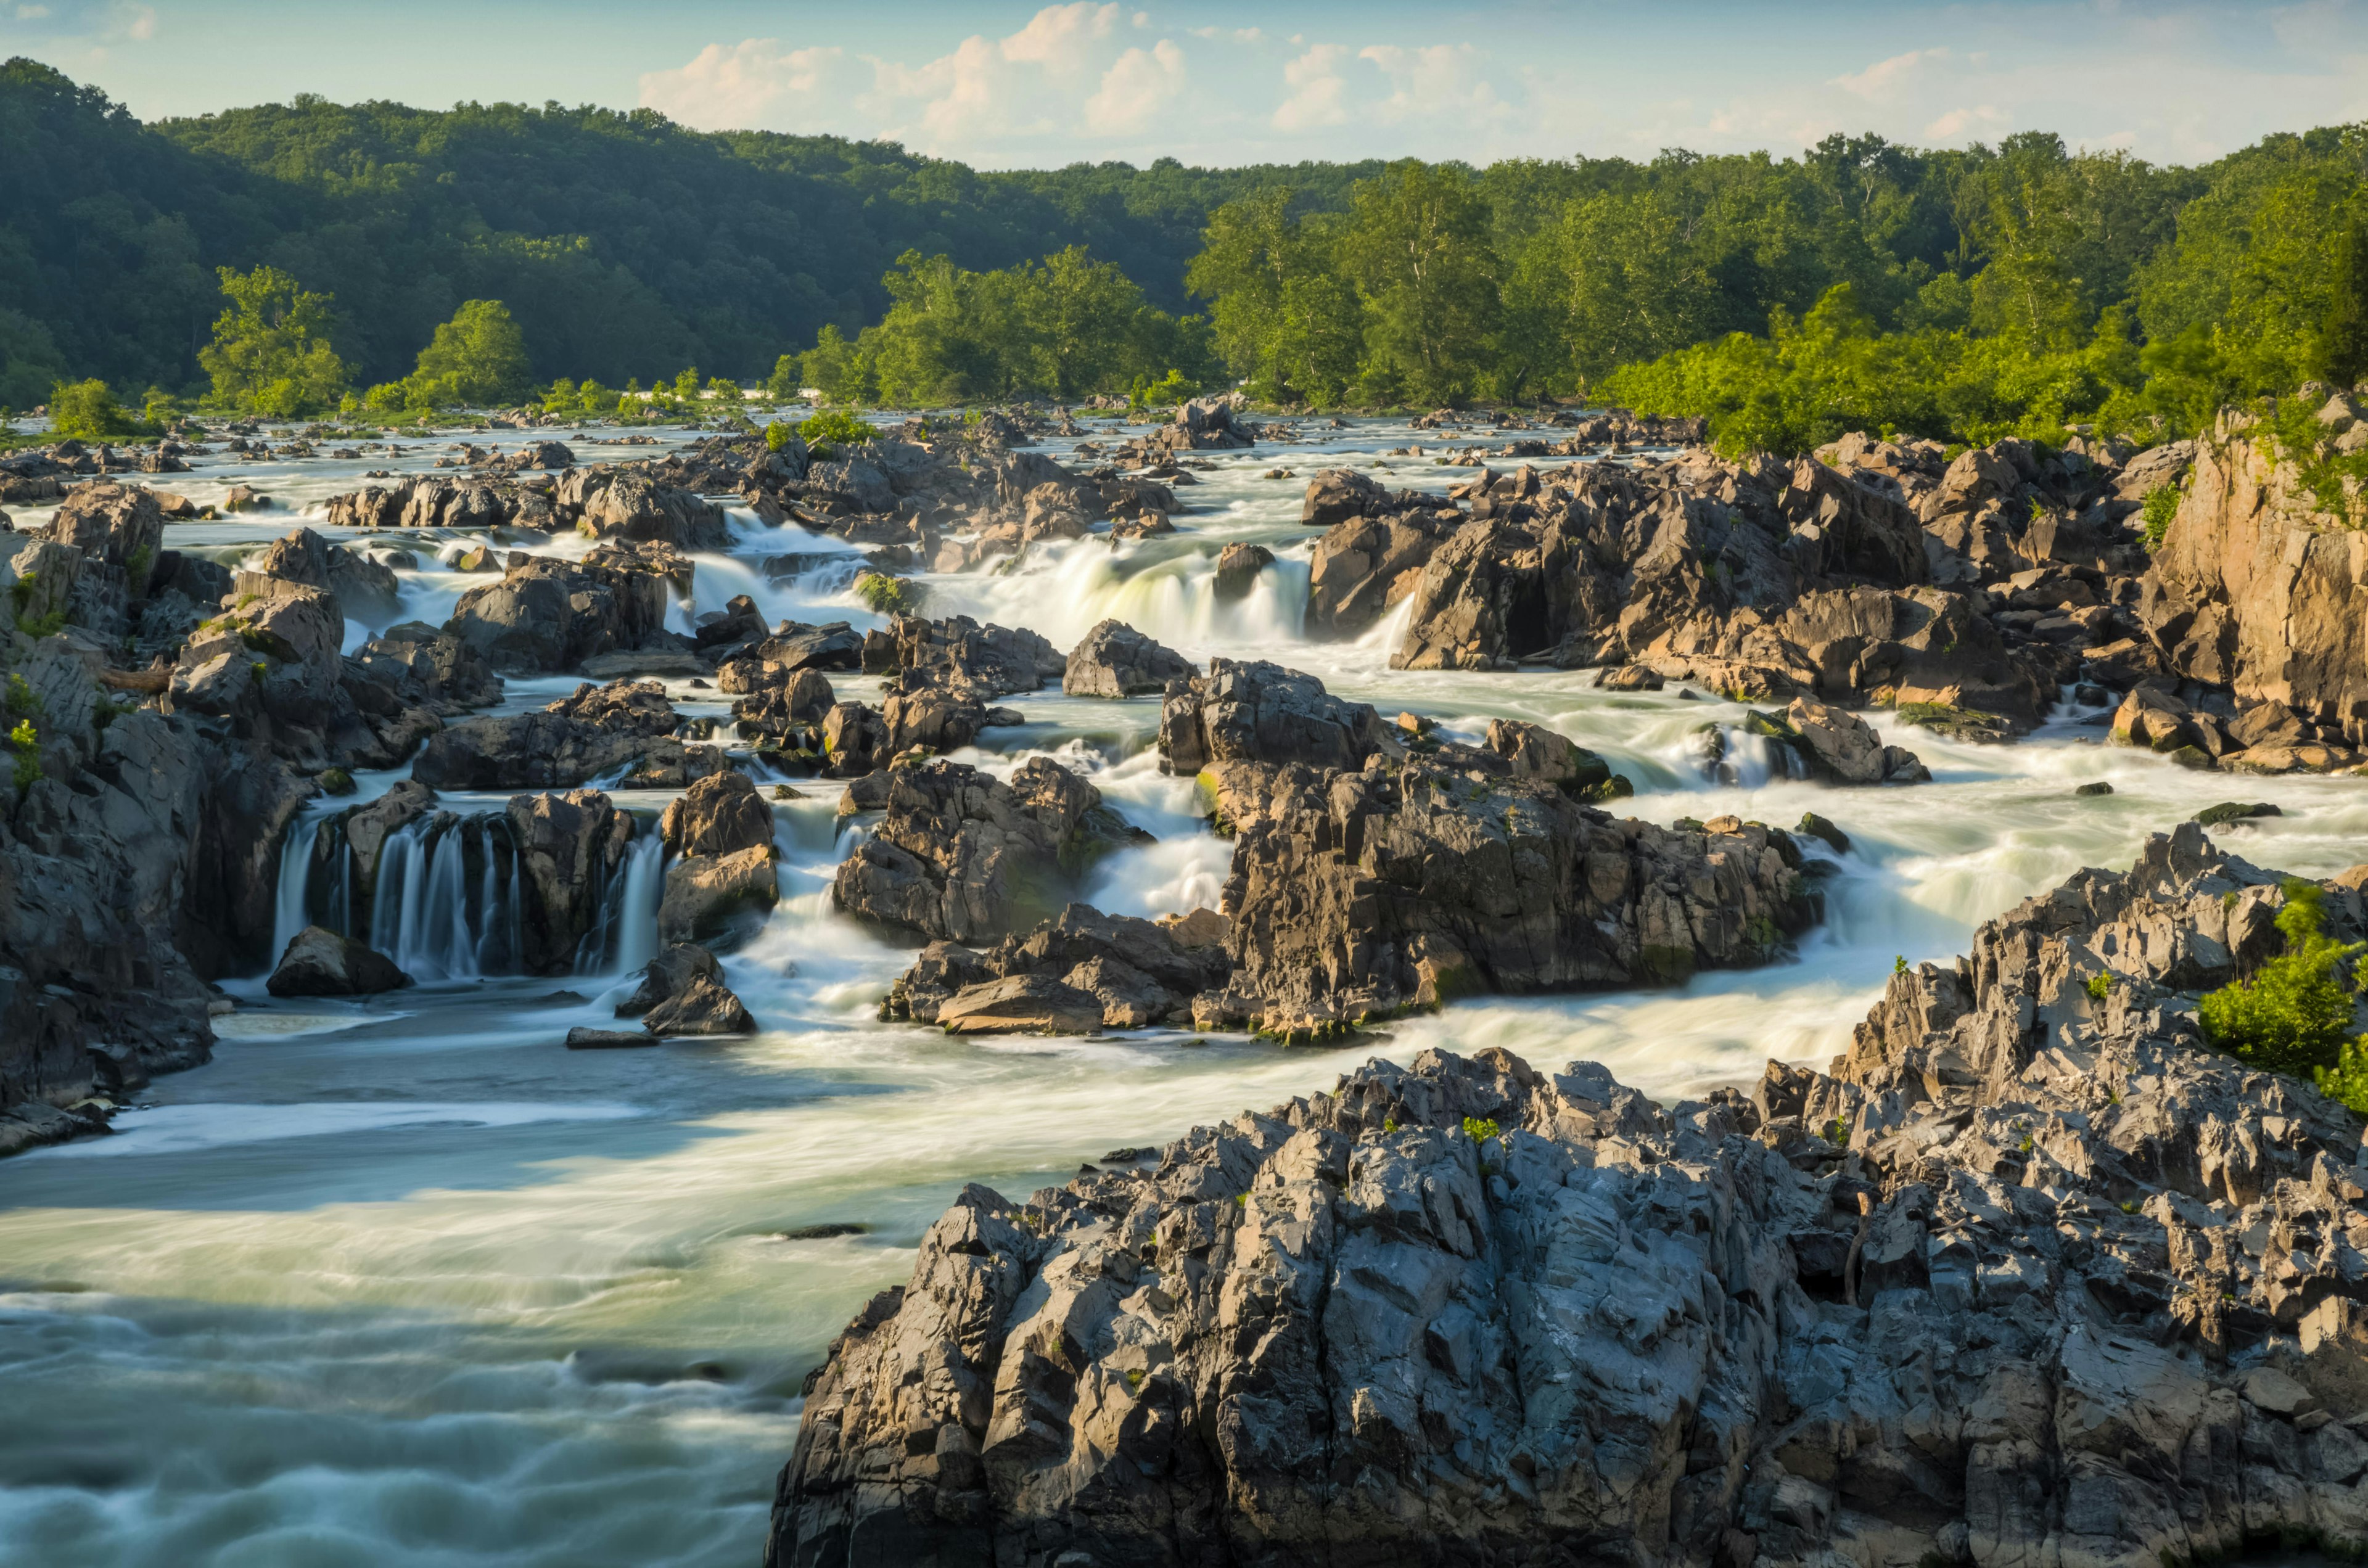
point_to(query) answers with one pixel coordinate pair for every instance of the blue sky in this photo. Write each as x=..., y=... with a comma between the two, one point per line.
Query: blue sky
x=1015, y=85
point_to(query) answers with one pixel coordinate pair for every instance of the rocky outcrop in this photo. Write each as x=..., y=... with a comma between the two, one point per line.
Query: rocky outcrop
x=619, y=504
x=357, y=585
x=682, y=993
x=119, y=524
x=2256, y=585
x=981, y=662
x=547, y=615
x=1355, y=894
x=1238, y=565
x=2029, y=1278
x=1367, y=562
x=625, y=726
x=1116, y=661
x=1082, y=967
x=568, y=847
x=962, y=857
x=320, y=962
x=1259, y=711
x=1839, y=747
x=719, y=831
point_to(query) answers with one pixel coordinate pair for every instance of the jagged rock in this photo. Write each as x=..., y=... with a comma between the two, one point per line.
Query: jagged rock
x=1238, y=565
x=1628, y=678
x=613, y=503
x=1116, y=661
x=424, y=504
x=1030, y=1003
x=1537, y=753
x=855, y=740
x=1134, y=971
x=1842, y=748
x=682, y=993
x=546, y=616
x=1365, y=564
x=1259, y=711
x=119, y=524
x=718, y=815
x=719, y=899
x=319, y=962
x=595, y=731
x=803, y=696
x=983, y=662
x=792, y=648
x=568, y=846
x=417, y=667
x=1982, y=1291
x=356, y=585
x=961, y=857
x=1356, y=893
x=738, y=621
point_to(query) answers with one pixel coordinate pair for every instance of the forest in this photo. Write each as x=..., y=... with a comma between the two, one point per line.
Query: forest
x=1964, y=294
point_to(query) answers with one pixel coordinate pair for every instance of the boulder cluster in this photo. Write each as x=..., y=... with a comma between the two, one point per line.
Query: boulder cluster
x=2026, y=1274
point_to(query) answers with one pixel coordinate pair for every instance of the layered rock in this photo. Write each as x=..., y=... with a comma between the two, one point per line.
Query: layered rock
x=682, y=993
x=357, y=585
x=1259, y=711
x=2030, y=1277
x=962, y=857
x=625, y=726
x=1081, y=967
x=721, y=880
x=568, y=846
x=547, y=615
x=1116, y=661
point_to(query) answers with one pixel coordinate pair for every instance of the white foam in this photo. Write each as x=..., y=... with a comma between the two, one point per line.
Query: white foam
x=179, y=1128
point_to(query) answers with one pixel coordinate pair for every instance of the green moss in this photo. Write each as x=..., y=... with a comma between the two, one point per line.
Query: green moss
x=1666, y=965
x=884, y=595
x=1969, y=725
x=337, y=781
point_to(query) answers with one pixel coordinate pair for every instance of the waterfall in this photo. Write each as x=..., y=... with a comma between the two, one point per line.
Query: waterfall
x=626, y=938
x=289, y=914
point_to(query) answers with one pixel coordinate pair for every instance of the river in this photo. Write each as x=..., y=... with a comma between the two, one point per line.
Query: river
x=405, y=1283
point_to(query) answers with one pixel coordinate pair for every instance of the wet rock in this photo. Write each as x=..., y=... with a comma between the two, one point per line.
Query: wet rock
x=568, y=847
x=1538, y=752
x=1136, y=972
x=357, y=585
x=1823, y=829
x=682, y=993
x=738, y=621
x=2228, y=812
x=2013, y=1230
x=792, y=648
x=1628, y=678
x=962, y=857
x=1259, y=711
x=1238, y=565
x=1842, y=748
x=623, y=727
x=1116, y=661
x=719, y=814
x=720, y=900
x=546, y=616
x=2096, y=788
x=320, y=962
x=1020, y=1003
x=584, y=1036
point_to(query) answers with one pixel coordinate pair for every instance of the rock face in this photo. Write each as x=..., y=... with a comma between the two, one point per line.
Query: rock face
x=319, y=962
x=356, y=585
x=611, y=504
x=961, y=857
x=2029, y=1278
x=1259, y=711
x=1842, y=748
x=568, y=847
x=1117, y=660
x=595, y=731
x=2256, y=588
x=718, y=815
x=547, y=615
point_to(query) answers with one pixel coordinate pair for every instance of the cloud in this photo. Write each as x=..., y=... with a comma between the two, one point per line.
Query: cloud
x=1059, y=38
x=1441, y=80
x=722, y=88
x=1319, y=92
x=1136, y=89
x=1884, y=77
x=1960, y=124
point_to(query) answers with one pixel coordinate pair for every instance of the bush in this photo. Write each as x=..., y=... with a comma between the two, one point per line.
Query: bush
x=778, y=435
x=23, y=701
x=2161, y=505
x=28, y=743
x=834, y=427
x=2295, y=1013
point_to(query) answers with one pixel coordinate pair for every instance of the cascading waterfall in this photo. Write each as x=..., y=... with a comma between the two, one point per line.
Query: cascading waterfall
x=289, y=915
x=627, y=936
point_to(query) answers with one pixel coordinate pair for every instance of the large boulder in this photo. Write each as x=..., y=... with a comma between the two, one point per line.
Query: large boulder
x=1259, y=711
x=119, y=524
x=719, y=900
x=1365, y=564
x=1134, y=972
x=964, y=857
x=319, y=962
x=985, y=660
x=568, y=846
x=1117, y=660
x=1842, y=748
x=356, y=585
x=718, y=815
x=619, y=504
x=754, y=666
x=1468, y=1309
x=595, y=731
x=547, y=615
x=682, y=993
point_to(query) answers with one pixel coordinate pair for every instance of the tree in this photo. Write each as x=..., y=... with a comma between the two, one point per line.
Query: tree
x=2295, y=1013
x=87, y=411
x=270, y=352
x=477, y=360
x=2340, y=351
x=1418, y=248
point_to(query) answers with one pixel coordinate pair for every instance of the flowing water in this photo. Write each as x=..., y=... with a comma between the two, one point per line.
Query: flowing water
x=404, y=1282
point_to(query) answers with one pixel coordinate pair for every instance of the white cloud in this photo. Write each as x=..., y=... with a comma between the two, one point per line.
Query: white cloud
x=1136, y=89
x=1959, y=124
x=1319, y=92
x=1884, y=77
x=744, y=84
x=1445, y=81
x=1059, y=38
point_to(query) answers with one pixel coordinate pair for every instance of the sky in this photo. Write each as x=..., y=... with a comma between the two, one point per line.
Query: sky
x=1023, y=85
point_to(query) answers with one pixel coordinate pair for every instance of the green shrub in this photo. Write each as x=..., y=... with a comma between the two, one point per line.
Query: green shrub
x=2295, y=1013
x=885, y=594
x=87, y=411
x=40, y=625
x=832, y=428
x=778, y=434
x=1480, y=1129
x=27, y=741
x=23, y=700
x=2160, y=505
x=2100, y=985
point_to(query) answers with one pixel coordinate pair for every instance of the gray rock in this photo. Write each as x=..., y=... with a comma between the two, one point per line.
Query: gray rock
x=1116, y=661
x=1261, y=712
x=319, y=962
x=596, y=732
x=584, y=1036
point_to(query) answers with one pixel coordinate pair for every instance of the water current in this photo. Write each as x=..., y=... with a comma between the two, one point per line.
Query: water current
x=405, y=1283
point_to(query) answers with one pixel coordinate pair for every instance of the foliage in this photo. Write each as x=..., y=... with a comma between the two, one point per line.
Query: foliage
x=270, y=353
x=885, y=594
x=87, y=411
x=2100, y=985
x=1480, y=1129
x=832, y=428
x=28, y=744
x=2295, y=1012
x=2155, y=512
x=22, y=700
x=2346, y=1081
x=2340, y=351
x=477, y=360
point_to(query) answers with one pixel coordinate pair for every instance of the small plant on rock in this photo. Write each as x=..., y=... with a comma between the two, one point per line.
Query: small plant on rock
x=2100, y=985
x=2295, y=1013
x=28, y=743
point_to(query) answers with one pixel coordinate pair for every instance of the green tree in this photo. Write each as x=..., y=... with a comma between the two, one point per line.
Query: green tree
x=1418, y=247
x=2339, y=354
x=478, y=359
x=87, y=411
x=270, y=353
x=2295, y=1013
